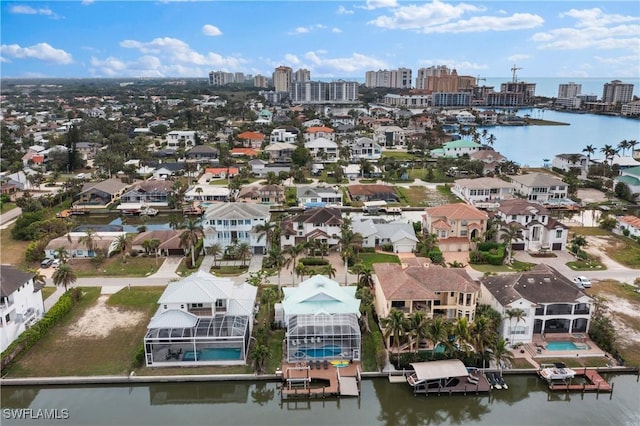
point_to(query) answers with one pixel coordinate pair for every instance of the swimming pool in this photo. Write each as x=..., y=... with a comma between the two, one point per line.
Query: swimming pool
x=323, y=352
x=566, y=346
x=213, y=354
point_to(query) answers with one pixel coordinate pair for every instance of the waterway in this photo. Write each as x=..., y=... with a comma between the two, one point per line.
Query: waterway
x=527, y=402
x=530, y=145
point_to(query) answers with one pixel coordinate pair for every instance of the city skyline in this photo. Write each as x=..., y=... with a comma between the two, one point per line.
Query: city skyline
x=331, y=39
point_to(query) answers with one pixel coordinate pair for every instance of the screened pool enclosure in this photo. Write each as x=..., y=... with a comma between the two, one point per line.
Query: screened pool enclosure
x=323, y=336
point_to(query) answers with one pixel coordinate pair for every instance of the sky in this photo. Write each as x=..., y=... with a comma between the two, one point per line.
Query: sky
x=332, y=39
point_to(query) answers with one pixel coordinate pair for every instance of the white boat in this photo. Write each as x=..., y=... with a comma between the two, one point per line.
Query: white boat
x=148, y=211
x=557, y=371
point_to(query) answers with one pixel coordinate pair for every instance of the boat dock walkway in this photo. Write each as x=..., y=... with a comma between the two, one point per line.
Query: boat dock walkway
x=302, y=381
x=593, y=383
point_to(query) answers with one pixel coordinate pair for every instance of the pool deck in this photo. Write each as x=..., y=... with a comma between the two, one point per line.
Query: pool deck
x=298, y=379
x=538, y=348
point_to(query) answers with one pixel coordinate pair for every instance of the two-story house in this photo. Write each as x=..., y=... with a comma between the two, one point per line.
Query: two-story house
x=484, y=192
x=100, y=194
x=538, y=229
x=319, y=196
x=321, y=224
x=415, y=286
x=288, y=135
x=317, y=132
x=251, y=139
x=569, y=162
x=181, y=139
x=323, y=150
x=280, y=152
x=552, y=304
x=457, y=148
x=21, y=303
x=153, y=192
x=201, y=320
x=539, y=187
x=365, y=148
x=263, y=194
x=389, y=136
x=228, y=223
x=490, y=158
x=455, y=225
x=377, y=234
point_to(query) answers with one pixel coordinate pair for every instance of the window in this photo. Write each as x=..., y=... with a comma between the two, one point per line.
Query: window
x=197, y=305
x=558, y=233
x=514, y=217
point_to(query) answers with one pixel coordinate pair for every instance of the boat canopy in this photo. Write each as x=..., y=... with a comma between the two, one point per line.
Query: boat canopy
x=436, y=370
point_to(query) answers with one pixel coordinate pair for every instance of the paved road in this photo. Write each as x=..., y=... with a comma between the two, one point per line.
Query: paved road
x=7, y=218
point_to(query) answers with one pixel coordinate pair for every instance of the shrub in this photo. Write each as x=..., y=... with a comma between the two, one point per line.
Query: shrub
x=625, y=232
x=387, y=247
x=138, y=358
x=436, y=256
x=35, y=250
x=314, y=261
x=133, y=253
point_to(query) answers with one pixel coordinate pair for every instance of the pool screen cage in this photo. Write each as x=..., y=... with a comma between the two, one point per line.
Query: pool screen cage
x=323, y=336
x=169, y=345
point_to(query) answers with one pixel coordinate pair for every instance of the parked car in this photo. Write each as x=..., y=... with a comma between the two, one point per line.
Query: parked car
x=582, y=282
x=55, y=263
x=47, y=262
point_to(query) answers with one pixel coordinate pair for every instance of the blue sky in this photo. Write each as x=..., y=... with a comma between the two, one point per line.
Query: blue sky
x=332, y=39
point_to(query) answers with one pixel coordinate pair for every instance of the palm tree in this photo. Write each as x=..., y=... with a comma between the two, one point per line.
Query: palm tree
x=437, y=333
x=395, y=325
x=609, y=152
x=214, y=250
x=510, y=233
x=366, y=277
x=482, y=335
x=418, y=328
x=623, y=146
x=259, y=355
x=329, y=270
x=190, y=236
x=293, y=252
x=300, y=270
x=275, y=259
x=462, y=334
x=64, y=275
x=269, y=295
x=501, y=353
x=243, y=251
x=632, y=146
x=519, y=315
x=590, y=150
x=89, y=240
x=123, y=244
x=265, y=229
x=61, y=254
x=38, y=277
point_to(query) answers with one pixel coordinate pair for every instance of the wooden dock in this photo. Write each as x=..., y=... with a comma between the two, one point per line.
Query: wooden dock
x=593, y=383
x=463, y=387
x=300, y=381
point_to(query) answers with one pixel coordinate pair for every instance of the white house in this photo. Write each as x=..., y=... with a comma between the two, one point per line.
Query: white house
x=568, y=162
x=484, y=192
x=319, y=196
x=539, y=187
x=539, y=230
x=201, y=320
x=227, y=223
x=207, y=193
x=321, y=321
x=21, y=303
x=457, y=148
x=181, y=138
x=365, y=148
x=320, y=224
x=323, y=150
x=631, y=178
x=465, y=118
x=401, y=236
x=550, y=302
x=631, y=223
x=280, y=151
x=316, y=132
x=284, y=135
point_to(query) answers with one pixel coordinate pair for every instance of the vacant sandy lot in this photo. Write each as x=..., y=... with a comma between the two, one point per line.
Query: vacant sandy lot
x=100, y=320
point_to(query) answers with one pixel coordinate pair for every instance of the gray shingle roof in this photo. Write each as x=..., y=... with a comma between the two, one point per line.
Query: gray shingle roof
x=237, y=211
x=11, y=279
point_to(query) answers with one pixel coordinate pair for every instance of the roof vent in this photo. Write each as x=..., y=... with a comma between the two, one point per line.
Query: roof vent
x=531, y=280
x=547, y=279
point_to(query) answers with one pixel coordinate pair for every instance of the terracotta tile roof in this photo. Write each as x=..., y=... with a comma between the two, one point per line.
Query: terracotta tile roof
x=250, y=152
x=441, y=224
x=457, y=211
x=631, y=221
x=316, y=129
x=251, y=135
x=219, y=170
x=521, y=206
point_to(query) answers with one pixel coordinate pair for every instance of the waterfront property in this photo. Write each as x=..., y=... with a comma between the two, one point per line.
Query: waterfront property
x=21, y=303
x=401, y=237
x=100, y=194
x=455, y=225
x=550, y=304
x=321, y=321
x=227, y=223
x=540, y=187
x=484, y=192
x=319, y=224
x=201, y=320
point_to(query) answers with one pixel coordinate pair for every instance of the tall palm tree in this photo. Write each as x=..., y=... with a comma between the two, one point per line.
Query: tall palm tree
x=395, y=325
x=265, y=230
x=462, y=335
x=418, y=328
x=64, y=275
x=243, y=252
x=329, y=270
x=300, y=270
x=89, y=240
x=508, y=234
x=293, y=252
x=276, y=259
x=437, y=333
x=191, y=234
x=623, y=146
x=214, y=250
x=123, y=244
x=609, y=152
x=632, y=146
x=501, y=353
x=519, y=315
x=590, y=150
x=482, y=335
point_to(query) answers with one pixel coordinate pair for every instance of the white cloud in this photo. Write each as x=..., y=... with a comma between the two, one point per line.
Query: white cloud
x=459, y=66
x=41, y=51
x=596, y=18
x=336, y=30
x=344, y=11
x=518, y=57
x=28, y=10
x=378, y=4
x=353, y=65
x=211, y=30
x=308, y=29
x=292, y=59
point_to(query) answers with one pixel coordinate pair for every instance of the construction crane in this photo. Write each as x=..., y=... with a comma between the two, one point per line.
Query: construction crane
x=513, y=70
x=478, y=80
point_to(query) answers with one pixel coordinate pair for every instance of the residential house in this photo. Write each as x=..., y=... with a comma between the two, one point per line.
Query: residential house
x=87, y=150
x=491, y=159
x=222, y=172
x=323, y=150
x=104, y=243
x=100, y=194
x=152, y=192
x=465, y=118
x=243, y=152
x=264, y=117
x=201, y=320
x=229, y=223
x=202, y=153
x=389, y=136
x=251, y=139
x=320, y=317
x=319, y=224
x=257, y=166
x=170, y=242
x=550, y=301
x=457, y=148
x=373, y=192
x=539, y=187
x=262, y=194
x=401, y=237
x=317, y=132
x=488, y=117
x=21, y=303
x=538, y=229
x=631, y=178
x=484, y=192
x=167, y=170
x=316, y=122
x=569, y=162
x=181, y=139
x=319, y=196
x=630, y=223
x=288, y=135
x=365, y=148
x=280, y=152
x=455, y=225
x=207, y=194
x=342, y=120
x=416, y=286
x=275, y=168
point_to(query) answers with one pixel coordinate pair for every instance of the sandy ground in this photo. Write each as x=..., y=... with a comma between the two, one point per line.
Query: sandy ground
x=100, y=320
x=616, y=305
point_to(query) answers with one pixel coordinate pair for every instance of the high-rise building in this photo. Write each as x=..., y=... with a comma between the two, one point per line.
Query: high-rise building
x=398, y=79
x=220, y=78
x=282, y=78
x=523, y=91
x=304, y=92
x=343, y=91
x=302, y=75
x=260, y=81
x=569, y=90
x=617, y=91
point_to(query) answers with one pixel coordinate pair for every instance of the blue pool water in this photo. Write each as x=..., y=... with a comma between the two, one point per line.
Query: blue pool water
x=565, y=346
x=213, y=354
x=323, y=352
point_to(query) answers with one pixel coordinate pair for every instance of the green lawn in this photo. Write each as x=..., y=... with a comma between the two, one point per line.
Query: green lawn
x=517, y=266
x=586, y=265
x=5, y=207
x=370, y=258
x=145, y=298
x=115, y=267
x=183, y=268
x=47, y=291
x=398, y=155
x=12, y=251
x=626, y=252
x=229, y=271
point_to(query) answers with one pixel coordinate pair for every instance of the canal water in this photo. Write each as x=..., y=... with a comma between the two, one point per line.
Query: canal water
x=527, y=402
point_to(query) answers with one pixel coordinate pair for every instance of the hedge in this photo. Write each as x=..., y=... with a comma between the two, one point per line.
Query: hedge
x=491, y=253
x=31, y=336
x=314, y=261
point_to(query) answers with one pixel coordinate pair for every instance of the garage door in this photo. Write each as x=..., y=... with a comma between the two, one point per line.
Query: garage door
x=556, y=246
x=517, y=246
